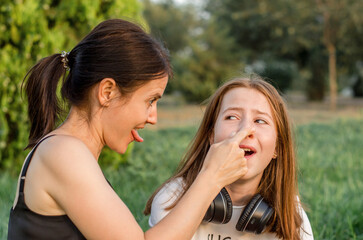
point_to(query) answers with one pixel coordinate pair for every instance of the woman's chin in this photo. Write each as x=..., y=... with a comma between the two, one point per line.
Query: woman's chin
x=120, y=149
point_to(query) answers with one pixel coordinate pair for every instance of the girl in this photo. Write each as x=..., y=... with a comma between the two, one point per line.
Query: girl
x=116, y=75
x=241, y=104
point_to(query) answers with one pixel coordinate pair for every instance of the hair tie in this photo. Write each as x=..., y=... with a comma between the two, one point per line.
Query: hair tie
x=64, y=56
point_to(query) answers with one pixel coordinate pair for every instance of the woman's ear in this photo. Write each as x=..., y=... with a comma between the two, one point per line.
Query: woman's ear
x=107, y=90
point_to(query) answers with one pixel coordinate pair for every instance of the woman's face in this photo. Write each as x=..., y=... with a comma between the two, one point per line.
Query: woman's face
x=124, y=118
x=245, y=108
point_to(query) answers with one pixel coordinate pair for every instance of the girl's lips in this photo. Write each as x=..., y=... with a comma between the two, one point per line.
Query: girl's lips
x=136, y=136
x=249, y=151
x=249, y=156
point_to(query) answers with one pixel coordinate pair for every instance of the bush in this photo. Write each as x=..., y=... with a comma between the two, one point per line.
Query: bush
x=30, y=31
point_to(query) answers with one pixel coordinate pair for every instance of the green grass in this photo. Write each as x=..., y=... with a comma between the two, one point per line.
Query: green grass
x=330, y=175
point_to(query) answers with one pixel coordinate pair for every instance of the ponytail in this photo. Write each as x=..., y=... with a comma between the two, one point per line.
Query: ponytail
x=41, y=88
x=115, y=49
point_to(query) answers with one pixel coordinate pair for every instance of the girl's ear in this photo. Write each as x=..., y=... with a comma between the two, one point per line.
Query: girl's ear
x=275, y=155
x=107, y=90
x=211, y=138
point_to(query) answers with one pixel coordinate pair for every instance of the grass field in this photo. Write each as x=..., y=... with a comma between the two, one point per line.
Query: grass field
x=330, y=175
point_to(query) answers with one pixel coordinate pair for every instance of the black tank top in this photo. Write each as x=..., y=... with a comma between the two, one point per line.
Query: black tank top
x=26, y=224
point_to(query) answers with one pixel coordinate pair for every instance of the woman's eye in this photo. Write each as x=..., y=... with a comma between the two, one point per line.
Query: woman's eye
x=152, y=101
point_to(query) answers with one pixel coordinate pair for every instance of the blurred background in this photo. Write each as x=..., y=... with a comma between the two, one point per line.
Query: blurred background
x=310, y=50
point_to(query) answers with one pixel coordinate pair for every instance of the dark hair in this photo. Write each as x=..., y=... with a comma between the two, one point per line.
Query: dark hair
x=115, y=49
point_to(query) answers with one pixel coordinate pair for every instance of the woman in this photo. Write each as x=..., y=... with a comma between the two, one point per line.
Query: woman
x=116, y=75
x=241, y=104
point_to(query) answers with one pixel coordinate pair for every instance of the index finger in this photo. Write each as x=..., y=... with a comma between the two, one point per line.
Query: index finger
x=242, y=134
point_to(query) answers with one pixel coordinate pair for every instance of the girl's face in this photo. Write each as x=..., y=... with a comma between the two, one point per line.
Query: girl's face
x=123, y=119
x=245, y=108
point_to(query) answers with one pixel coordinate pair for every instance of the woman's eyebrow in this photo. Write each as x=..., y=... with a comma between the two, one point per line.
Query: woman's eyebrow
x=156, y=96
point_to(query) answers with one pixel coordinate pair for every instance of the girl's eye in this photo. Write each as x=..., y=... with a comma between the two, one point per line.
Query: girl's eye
x=261, y=121
x=231, y=118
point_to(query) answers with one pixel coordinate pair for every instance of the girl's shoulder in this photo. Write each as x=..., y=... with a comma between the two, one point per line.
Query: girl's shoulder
x=171, y=190
x=306, y=231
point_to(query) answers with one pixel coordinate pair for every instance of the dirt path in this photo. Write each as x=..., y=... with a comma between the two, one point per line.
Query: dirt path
x=301, y=112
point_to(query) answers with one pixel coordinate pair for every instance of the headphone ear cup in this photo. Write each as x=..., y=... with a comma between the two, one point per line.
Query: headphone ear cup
x=220, y=210
x=255, y=216
x=229, y=209
x=246, y=214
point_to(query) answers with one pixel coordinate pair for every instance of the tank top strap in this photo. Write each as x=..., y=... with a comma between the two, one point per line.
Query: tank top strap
x=27, y=162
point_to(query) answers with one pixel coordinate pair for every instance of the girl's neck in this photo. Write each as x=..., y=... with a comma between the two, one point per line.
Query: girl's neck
x=242, y=191
x=77, y=125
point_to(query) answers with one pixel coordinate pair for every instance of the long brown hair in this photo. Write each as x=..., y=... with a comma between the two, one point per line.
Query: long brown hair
x=278, y=184
x=115, y=49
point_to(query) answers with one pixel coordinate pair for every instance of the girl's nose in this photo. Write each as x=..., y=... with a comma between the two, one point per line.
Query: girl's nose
x=247, y=125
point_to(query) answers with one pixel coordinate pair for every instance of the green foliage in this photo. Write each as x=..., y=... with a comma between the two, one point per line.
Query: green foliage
x=330, y=173
x=203, y=55
x=295, y=31
x=7, y=194
x=32, y=30
x=113, y=160
x=169, y=23
x=204, y=66
x=279, y=73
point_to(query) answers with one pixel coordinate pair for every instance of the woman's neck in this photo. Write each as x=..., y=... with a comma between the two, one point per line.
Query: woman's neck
x=77, y=125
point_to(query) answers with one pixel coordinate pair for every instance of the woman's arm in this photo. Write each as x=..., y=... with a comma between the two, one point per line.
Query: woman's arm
x=72, y=177
x=163, y=199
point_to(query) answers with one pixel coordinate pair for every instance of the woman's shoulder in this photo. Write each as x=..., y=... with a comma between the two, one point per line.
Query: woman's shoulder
x=60, y=145
x=59, y=150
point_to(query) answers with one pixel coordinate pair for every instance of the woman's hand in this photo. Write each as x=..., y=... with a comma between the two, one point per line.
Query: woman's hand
x=225, y=160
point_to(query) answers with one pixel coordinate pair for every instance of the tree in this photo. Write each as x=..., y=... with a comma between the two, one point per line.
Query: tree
x=170, y=23
x=34, y=29
x=334, y=18
x=209, y=60
x=202, y=55
x=297, y=31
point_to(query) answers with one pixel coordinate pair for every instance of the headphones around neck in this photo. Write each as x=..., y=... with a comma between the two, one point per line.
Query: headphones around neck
x=254, y=218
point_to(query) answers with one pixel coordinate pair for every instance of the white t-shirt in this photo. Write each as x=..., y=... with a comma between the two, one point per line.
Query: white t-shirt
x=213, y=231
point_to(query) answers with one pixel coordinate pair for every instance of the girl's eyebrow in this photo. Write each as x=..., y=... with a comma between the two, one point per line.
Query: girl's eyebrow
x=263, y=113
x=233, y=108
x=242, y=109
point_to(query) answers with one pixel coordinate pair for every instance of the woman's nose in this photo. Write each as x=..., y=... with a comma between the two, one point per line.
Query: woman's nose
x=153, y=116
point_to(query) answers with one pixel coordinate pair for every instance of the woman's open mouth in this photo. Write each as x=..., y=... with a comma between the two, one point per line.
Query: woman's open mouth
x=136, y=135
